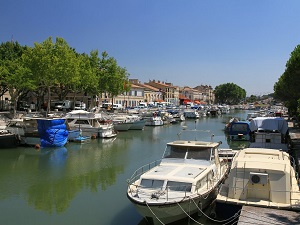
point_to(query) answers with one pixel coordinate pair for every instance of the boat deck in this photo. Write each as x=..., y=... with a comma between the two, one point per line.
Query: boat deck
x=256, y=215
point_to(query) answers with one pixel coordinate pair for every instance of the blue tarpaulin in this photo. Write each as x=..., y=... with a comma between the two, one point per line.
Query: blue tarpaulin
x=53, y=132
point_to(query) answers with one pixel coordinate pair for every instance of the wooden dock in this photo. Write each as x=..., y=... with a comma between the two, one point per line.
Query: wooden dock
x=258, y=216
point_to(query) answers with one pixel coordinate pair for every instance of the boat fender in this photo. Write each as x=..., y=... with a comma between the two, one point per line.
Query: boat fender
x=94, y=136
x=37, y=146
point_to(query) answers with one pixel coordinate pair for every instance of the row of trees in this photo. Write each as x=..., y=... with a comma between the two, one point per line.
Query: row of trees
x=56, y=67
x=287, y=88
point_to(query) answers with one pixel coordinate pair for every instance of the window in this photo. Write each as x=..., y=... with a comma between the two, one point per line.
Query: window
x=149, y=183
x=179, y=186
x=175, y=152
x=196, y=153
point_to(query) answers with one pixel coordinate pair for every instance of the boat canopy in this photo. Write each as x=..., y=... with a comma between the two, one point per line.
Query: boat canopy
x=269, y=124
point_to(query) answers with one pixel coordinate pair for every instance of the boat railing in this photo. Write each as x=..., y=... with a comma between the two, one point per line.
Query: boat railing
x=179, y=191
x=140, y=171
x=246, y=188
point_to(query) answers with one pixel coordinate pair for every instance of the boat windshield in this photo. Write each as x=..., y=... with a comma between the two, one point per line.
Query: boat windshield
x=179, y=186
x=188, y=152
x=240, y=127
x=150, y=183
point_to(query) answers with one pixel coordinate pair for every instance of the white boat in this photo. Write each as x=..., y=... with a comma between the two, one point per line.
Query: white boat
x=191, y=113
x=154, y=121
x=269, y=132
x=138, y=123
x=91, y=124
x=184, y=180
x=40, y=131
x=259, y=177
x=121, y=123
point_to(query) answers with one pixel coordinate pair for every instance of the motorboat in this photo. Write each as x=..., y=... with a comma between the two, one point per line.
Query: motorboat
x=8, y=139
x=239, y=131
x=91, y=124
x=191, y=113
x=269, y=132
x=121, y=123
x=138, y=123
x=154, y=120
x=185, y=180
x=40, y=131
x=259, y=177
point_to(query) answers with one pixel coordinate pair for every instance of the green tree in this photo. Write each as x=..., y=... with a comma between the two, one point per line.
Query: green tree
x=15, y=76
x=113, y=79
x=252, y=98
x=286, y=88
x=53, y=65
x=229, y=93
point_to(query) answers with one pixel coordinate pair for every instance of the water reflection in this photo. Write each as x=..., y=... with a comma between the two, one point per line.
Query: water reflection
x=53, y=184
x=49, y=178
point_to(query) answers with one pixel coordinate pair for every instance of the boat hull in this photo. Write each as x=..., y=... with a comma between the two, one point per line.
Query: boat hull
x=138, y=125
x=9, y=141
x=171, y=212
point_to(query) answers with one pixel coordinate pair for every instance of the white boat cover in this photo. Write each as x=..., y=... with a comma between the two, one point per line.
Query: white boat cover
x=275, y=124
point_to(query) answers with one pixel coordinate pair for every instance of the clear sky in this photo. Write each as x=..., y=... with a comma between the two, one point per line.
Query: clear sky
x=184, y=42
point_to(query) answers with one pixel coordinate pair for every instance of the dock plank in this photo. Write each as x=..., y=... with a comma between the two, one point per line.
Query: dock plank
x=256, y=215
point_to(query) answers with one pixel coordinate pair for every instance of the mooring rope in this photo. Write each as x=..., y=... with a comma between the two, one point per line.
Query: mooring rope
x=229, y=220
x=189, y=215
x=154, y=213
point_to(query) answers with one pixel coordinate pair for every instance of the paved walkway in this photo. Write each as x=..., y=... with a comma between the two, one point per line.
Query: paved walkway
x=294, y=133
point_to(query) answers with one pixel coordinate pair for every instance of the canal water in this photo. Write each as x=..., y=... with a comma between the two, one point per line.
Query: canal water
x=86, y=183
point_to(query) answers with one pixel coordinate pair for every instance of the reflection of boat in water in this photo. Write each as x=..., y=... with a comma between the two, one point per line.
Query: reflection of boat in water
x=259, y=177
x=237, y=145
x=187, y=177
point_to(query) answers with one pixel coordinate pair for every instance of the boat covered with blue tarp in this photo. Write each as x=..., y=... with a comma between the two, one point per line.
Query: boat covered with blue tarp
x=53, y=132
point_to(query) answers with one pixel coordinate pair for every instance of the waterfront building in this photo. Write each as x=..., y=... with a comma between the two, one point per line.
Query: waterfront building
x=169, y=92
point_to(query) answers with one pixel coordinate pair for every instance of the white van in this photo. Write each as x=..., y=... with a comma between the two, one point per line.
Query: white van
x=142, y=105
x=117, y=106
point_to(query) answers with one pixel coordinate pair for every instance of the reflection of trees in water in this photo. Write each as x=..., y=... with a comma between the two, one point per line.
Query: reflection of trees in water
x=237, y=145
x=49, y=180
x=56, y=196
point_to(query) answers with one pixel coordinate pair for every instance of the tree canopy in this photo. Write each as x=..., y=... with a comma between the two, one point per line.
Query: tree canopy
x=56, y=67
x=286, y=88
x=229, y=93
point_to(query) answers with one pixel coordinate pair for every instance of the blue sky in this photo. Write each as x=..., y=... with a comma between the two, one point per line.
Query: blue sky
x=185, y=42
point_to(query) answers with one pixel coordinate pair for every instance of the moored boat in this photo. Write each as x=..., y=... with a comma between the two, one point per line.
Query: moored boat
x=91, y=124
x=259, y=177
x=121, y=123
x=239, y=131
x=8, y=139
x=154, y=121
x=184, y=180
x=269, y=132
